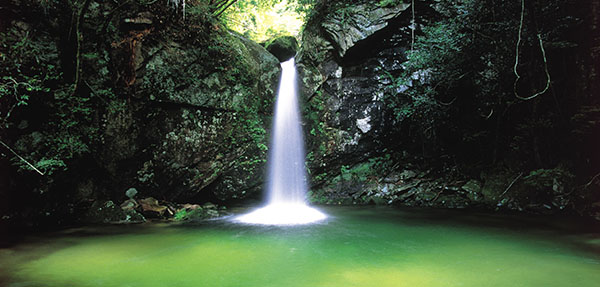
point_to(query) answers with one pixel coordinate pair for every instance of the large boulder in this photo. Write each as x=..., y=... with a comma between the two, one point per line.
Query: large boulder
x=195, y=124
x=177, y=72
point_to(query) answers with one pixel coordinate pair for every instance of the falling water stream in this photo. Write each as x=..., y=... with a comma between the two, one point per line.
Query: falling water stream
x=286, y=186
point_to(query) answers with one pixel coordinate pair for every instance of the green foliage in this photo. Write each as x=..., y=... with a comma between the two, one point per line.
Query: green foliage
x=261, y=20
x=344, y=11
x=65, y=137
x=318, y=133
x=358, y=172
x=52, y=121
x=49, y=166
x=318, y=197
x=200, y=13
x=437, y=58
x=248, y=130
x=373, y=168
x=461, y=68
x=389, y=3
x=349, y=176
x=24, y=71
x=185, y=214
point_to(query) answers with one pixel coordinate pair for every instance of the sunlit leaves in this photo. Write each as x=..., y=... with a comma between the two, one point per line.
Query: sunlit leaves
x=261, y=20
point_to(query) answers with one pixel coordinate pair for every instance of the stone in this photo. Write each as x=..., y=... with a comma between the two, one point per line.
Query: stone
x=400, y=188
x=129, y=204
x=132, y=216
x=363, y=124
x=23, y=125
x=151, y=207
x=377, y=200
x=392, y=178
x=494, y=184
x=212, y=213
x=407, y=174
x=283, y=48
x=197, y=212
x=167, y=77
x=365, y=21
x=131, y=193
x=473, y=190
x=407, y=195
x=201, y=119
x=472, y=186
x=191, y=206
x=560, y=202
x=347, y=95
x=108, y=212
x=539, y=208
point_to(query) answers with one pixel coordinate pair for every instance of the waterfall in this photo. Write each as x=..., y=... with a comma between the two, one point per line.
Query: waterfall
x=286, y=187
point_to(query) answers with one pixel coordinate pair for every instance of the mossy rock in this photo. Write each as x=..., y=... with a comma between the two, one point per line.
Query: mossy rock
x=108, y=212
x=198, y=130
x=283, y=48
x=230, y=73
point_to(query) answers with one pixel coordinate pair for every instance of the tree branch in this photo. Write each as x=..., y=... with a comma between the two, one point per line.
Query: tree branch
x=591, y=181
x=226, y=7
x=511, y=184
x=21, y=158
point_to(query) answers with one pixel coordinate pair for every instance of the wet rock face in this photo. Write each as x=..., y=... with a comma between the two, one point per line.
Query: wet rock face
x=357, y=23
x=345, y=63
x=195, y=125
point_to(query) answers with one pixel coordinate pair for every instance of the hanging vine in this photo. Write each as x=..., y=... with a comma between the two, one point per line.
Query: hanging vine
x=79, y=38
x=414, y=26
x=176, y=4
x=548, y=80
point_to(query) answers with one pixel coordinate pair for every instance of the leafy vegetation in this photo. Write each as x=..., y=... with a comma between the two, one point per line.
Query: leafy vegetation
x=32, y=82
x=258, y=20
x=549, y=180
x=25, y=71
x=461, y=67
x=189, y=214
x=261, y=20
x=388, y=3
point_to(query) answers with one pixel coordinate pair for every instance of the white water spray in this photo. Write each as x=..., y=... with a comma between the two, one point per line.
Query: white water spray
x=286, y=187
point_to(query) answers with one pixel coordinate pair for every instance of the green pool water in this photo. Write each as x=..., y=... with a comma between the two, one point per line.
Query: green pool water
x=366, y=246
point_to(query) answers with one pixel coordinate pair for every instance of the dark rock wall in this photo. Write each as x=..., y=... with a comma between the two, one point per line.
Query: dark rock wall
x=342, y=64
x=359, y=153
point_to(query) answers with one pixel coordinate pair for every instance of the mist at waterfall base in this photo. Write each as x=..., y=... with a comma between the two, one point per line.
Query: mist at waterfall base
x=286, y=186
